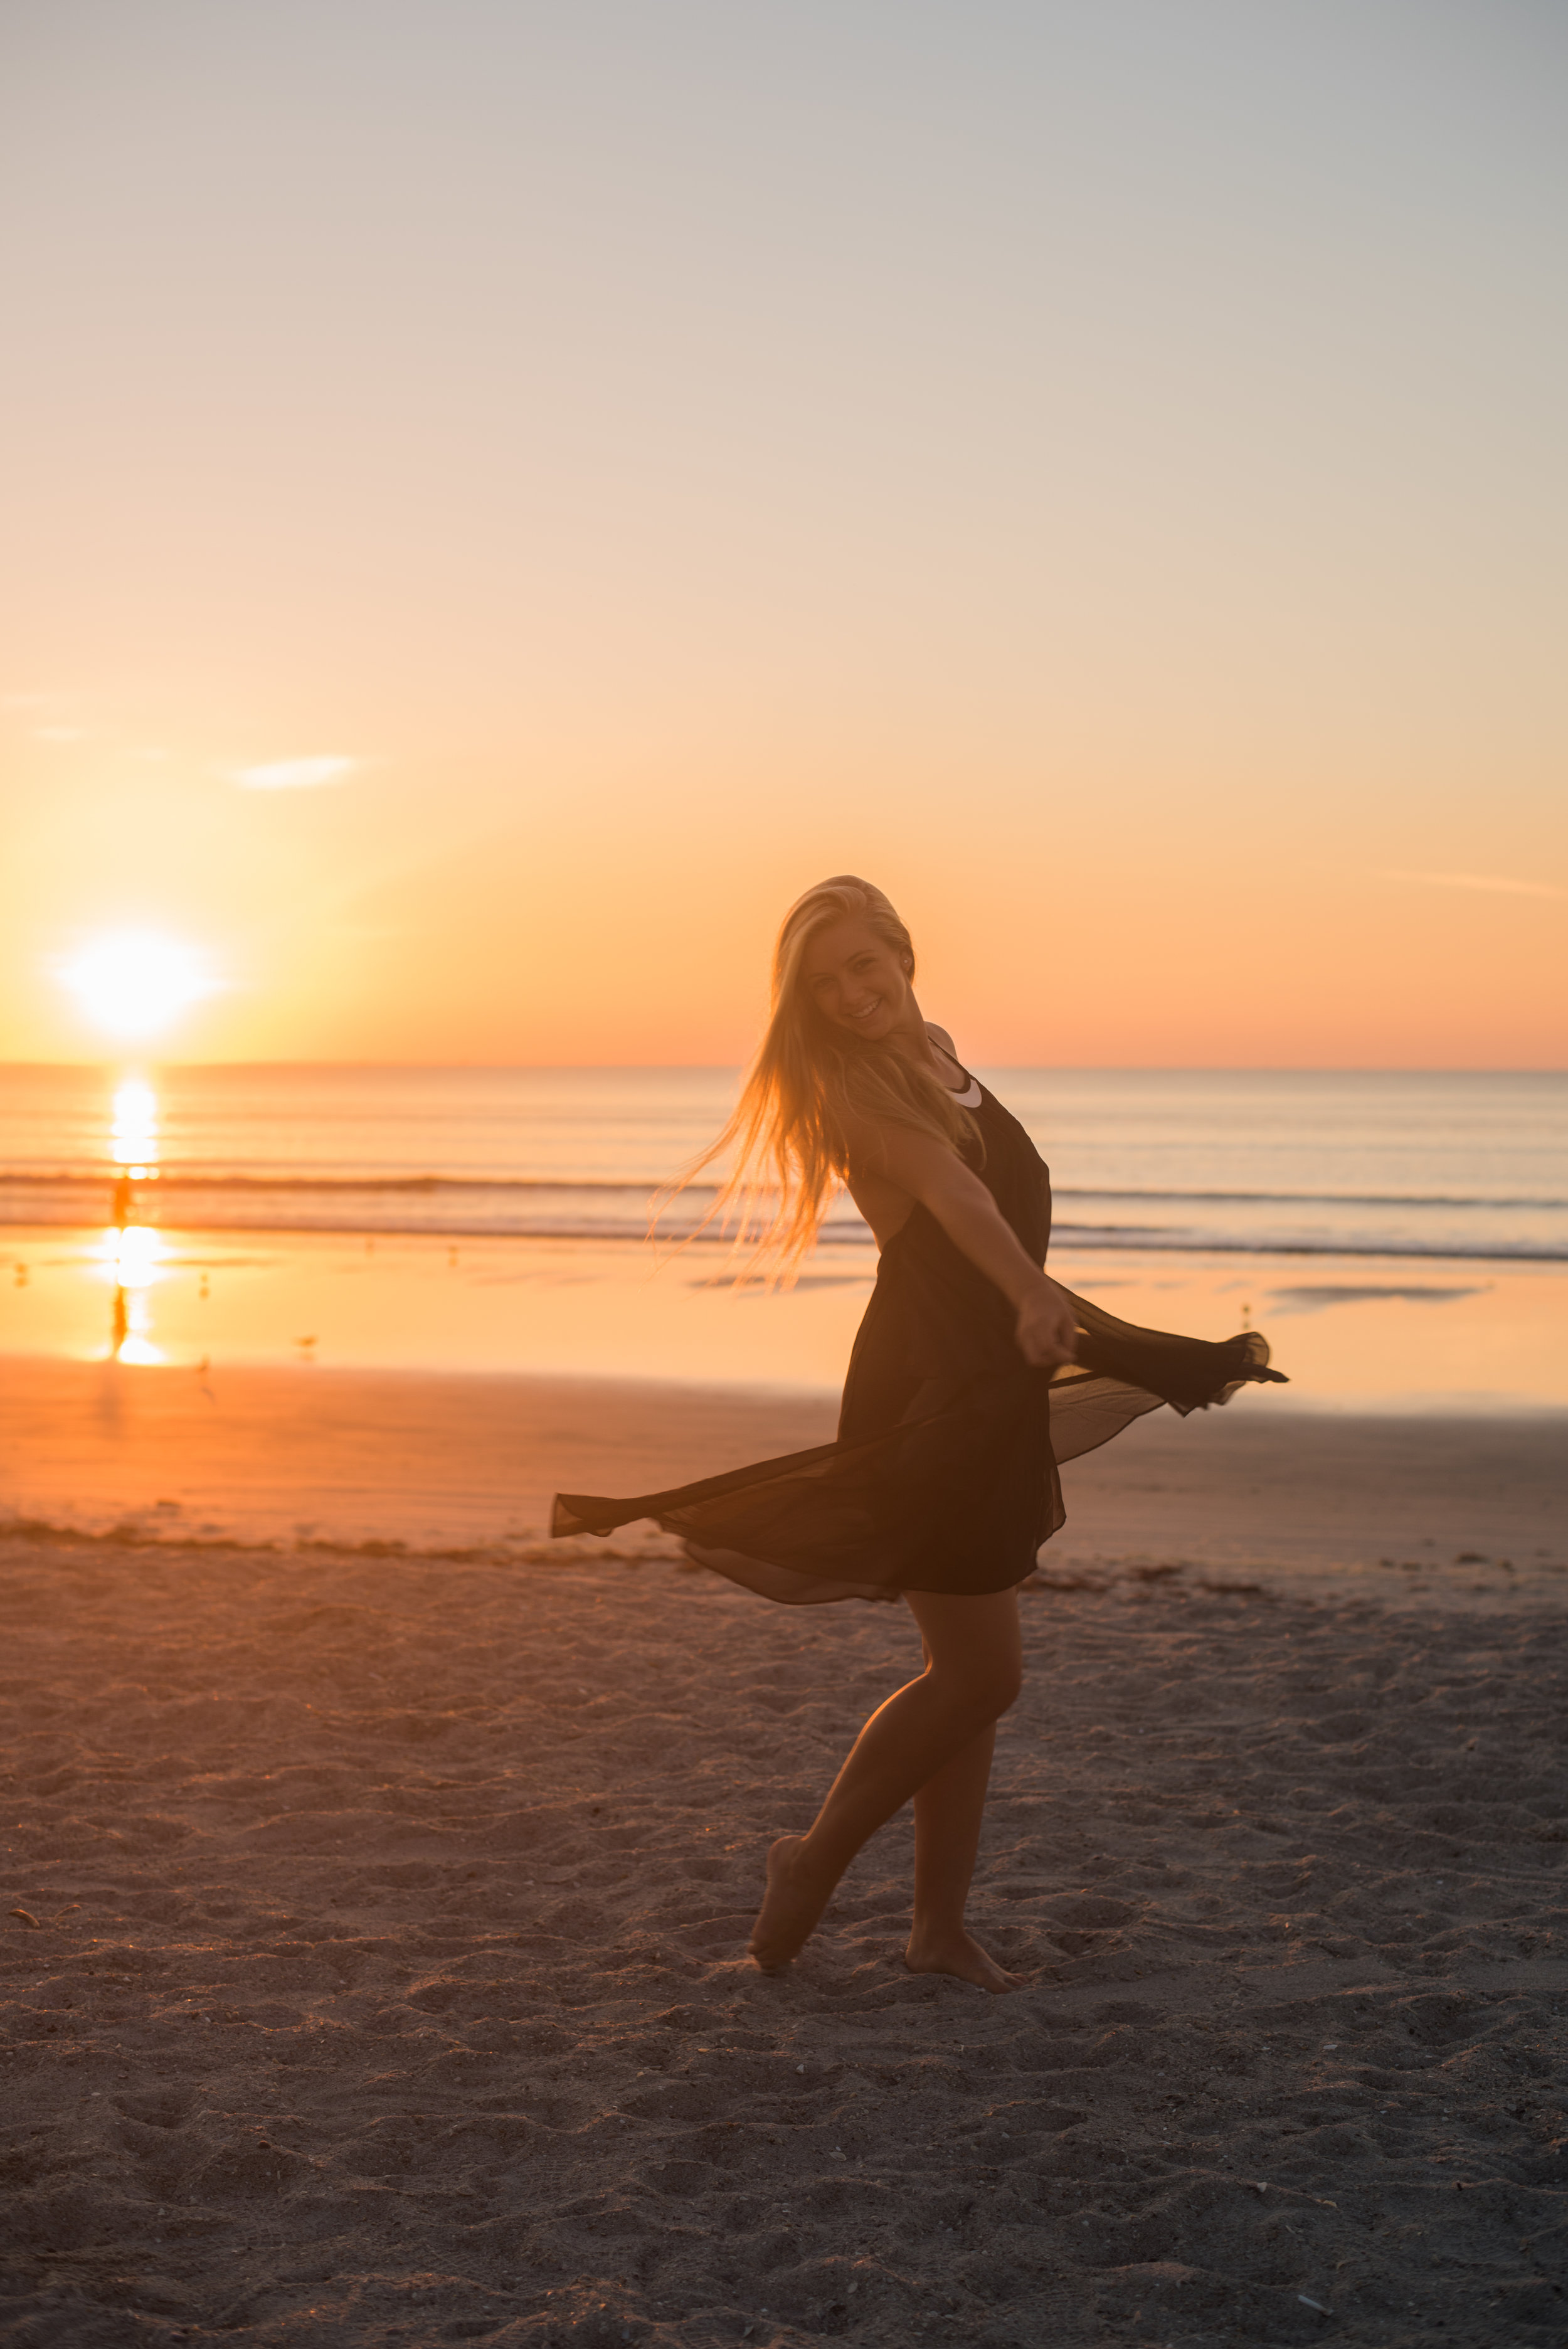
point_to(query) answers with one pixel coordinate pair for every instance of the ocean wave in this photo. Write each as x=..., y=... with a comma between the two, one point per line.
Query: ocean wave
x=1438, y=1224
x=169, y=1180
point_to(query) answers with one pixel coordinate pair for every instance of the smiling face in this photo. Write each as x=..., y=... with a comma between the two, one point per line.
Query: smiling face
x=857, y=981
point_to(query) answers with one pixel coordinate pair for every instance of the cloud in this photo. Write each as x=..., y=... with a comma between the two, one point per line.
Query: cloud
x=293, y=774
x=1492, y=881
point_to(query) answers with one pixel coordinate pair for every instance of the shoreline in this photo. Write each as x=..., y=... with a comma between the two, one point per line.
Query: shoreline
x=1068, y=1239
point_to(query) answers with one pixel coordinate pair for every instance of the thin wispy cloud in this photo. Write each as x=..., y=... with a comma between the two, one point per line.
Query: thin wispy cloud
x=1497, y=882
x=294, y=774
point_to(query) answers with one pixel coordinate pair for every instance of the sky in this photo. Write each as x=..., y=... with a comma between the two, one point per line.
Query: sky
x=500, y=498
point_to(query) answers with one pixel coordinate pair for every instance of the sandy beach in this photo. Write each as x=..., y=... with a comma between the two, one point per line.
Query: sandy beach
x=372, y=1967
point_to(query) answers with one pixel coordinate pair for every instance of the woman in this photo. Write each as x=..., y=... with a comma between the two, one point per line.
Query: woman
x=973, y=1373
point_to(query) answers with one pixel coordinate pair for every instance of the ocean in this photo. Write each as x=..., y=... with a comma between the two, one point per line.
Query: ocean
x=1402, y=1239
x=1302, y=1163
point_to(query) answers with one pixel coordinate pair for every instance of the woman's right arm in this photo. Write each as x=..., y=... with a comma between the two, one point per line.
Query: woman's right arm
x=928, y=1171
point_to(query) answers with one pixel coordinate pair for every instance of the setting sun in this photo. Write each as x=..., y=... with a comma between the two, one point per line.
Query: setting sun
x=134, y=983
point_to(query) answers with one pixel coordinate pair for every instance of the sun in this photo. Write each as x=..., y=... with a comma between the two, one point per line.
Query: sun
x=135, y=983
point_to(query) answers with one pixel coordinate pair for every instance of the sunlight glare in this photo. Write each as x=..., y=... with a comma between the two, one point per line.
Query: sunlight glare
x=133, y=1255
x=134, y=982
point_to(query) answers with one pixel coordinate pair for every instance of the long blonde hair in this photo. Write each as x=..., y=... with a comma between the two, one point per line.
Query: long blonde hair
x=786, y=1138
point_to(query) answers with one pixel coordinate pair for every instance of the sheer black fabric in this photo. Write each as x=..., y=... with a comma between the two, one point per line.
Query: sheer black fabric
x=944, y=1475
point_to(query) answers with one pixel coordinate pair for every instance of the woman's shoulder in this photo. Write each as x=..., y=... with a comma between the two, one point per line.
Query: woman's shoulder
x=973, y=1093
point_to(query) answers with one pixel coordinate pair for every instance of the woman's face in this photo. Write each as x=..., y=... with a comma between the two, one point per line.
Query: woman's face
x=856, y=980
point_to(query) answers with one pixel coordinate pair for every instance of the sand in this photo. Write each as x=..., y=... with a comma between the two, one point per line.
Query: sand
x=377, y=1972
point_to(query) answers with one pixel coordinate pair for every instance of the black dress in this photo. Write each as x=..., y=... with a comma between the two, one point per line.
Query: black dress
x=943, y=1477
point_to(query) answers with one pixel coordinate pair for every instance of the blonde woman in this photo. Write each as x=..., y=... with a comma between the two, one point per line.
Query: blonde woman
x=973, y=1373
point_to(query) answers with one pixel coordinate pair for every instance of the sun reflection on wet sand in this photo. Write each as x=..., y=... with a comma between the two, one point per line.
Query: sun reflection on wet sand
x=1363, y=1335
x=132, y=1251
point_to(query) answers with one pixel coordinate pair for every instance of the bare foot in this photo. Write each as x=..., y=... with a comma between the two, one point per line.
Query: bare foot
x=959, y=1953
x=789, y=1909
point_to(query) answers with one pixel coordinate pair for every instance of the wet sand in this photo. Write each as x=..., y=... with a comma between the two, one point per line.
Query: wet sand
x=255, y=1454
x=376, y=1972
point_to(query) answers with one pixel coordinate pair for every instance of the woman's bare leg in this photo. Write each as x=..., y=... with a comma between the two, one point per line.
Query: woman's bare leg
x=948, y=1810
x=973, y=1664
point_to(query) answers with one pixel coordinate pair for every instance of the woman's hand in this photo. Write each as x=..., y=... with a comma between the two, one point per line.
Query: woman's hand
x=1047, y=1331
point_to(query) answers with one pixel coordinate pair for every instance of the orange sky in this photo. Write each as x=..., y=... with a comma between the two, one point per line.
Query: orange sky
x=502, y=499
